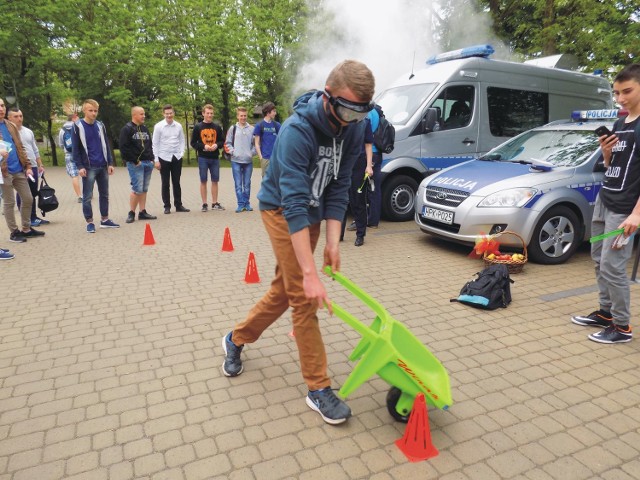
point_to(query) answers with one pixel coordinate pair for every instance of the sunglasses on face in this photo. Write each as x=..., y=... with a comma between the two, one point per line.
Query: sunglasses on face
x=348, y=111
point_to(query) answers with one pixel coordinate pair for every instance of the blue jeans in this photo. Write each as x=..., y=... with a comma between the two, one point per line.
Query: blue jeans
x=99, y=175
x=242, y=178
x=140, y=176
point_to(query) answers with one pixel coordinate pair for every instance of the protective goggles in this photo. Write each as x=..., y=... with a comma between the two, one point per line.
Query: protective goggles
x=348, y=111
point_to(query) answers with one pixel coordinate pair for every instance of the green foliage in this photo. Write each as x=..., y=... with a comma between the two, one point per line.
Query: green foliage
x=600, y=33
x=246, y=52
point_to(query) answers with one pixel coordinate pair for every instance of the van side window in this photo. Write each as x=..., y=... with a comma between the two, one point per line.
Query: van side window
x=512, y=112
x=455, y=106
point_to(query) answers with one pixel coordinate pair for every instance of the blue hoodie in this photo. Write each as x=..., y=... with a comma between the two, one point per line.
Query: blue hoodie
x=310, y=169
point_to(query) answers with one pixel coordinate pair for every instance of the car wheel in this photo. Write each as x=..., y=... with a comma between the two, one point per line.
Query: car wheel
x=399, y=198
x=556, y=237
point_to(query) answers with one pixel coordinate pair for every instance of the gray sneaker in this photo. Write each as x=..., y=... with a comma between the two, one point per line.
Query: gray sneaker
x=232, y=366
x=332, y=410
x=599, y=318
x=216, y=206
x=613, y=334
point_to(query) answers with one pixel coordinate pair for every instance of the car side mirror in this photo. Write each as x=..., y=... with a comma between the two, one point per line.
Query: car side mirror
x=430, y=120
x=599, y=165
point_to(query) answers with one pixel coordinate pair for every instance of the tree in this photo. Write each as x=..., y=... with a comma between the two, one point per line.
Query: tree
x=29, y=63
x=600, y=33
x=274, y=32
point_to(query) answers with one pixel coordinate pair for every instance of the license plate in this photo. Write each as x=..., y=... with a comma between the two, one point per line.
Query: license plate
x=437, y=215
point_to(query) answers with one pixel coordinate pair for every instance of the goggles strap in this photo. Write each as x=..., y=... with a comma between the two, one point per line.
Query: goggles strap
x=332, y=118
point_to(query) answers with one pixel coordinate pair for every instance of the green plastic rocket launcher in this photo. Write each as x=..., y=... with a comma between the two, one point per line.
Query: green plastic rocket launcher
x=599, y=238
x=389, y=349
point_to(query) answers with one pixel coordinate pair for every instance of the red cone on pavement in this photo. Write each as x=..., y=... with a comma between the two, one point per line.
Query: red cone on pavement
x=251, y=274
x=227, y=245
x=416, y=442
x=148, y=236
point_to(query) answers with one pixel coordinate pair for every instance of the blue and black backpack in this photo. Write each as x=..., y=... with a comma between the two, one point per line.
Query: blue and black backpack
x=66, y=139
x=491, y=290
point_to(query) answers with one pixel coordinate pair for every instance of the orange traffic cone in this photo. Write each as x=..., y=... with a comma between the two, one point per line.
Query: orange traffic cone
x=251, y=274
x=416, y=442
x=227, y=246
x=148, y=236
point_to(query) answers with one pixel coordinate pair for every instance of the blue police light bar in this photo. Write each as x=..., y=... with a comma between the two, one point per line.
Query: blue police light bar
x=584, y=115
x=474, y=51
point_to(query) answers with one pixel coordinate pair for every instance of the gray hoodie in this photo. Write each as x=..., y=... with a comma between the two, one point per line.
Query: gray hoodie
x=242, y=150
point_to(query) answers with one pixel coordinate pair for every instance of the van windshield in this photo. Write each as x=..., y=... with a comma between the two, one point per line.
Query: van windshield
x=561, y=148
x=400, y=103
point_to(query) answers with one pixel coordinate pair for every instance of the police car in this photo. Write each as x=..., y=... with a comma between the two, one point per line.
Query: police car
x=541, y=184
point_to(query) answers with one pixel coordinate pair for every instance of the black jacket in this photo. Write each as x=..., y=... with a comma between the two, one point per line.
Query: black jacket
x=135, y=143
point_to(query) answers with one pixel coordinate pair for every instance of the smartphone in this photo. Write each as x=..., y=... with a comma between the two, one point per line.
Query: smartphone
x=600, y=131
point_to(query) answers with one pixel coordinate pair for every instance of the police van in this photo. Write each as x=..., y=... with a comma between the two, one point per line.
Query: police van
x=541, y=185
x=465, y=103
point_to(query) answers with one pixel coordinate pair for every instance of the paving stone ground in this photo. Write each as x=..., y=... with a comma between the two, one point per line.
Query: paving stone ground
x=110, y=359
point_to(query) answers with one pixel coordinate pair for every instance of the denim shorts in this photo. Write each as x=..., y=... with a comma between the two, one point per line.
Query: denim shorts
x=140, y=176
x=211, y=165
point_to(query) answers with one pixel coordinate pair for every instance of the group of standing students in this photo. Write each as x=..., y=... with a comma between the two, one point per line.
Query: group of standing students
x=88, y=157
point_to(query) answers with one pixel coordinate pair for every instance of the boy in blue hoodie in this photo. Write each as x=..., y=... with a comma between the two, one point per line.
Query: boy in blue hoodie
x=308, y=181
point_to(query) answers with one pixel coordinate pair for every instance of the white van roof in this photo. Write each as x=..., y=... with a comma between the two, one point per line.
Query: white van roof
x=480, y=68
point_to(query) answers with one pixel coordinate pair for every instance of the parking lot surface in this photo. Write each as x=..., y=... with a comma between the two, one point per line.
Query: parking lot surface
x=110, y=358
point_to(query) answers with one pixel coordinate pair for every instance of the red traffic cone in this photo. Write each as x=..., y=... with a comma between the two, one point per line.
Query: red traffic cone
x=251, y=274
x=416, y=442
x=227, y=246
x=148, y=236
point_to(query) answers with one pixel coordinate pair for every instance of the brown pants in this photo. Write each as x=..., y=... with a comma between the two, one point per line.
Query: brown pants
x=17, y=183
x=286, y=290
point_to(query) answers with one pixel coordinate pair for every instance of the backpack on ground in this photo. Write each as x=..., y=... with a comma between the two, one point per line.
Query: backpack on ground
x=385, y=135
x=491, y=290
x=47, y=200
x=66, y=139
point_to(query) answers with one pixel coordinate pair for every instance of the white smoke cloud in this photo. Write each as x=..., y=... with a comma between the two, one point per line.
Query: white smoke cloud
x=387, y=34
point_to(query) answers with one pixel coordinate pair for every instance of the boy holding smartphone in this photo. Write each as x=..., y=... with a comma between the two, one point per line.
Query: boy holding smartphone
x=617, y=206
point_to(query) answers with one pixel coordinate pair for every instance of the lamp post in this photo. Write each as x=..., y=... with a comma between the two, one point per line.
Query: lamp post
x=13, y=98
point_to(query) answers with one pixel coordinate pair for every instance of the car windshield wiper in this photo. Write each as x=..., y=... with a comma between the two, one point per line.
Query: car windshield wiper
x=489, y=157
x=536, y=164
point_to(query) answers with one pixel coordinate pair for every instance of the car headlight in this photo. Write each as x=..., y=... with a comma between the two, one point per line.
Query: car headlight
x=514, y=197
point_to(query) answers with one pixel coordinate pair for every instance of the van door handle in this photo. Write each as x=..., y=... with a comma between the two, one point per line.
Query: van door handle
x=468, y=141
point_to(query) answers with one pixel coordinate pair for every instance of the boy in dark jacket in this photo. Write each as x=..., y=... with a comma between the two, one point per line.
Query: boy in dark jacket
x=308, y=181
x=94, y=160
x=137, y=150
